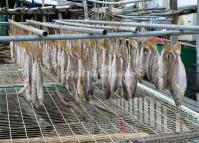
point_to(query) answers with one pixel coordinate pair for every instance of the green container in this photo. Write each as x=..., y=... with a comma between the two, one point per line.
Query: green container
x=188, y=55
x=4, y=28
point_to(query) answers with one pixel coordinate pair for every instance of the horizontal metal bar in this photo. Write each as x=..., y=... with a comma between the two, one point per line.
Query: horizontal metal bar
x=166, y=99
x=72, y=28
x=88, y=36
x=170, y=137
x=7, y=23
x=29, y=28
x=122, y=28
x=145, y=25
x=35, y=8
x=117, y=3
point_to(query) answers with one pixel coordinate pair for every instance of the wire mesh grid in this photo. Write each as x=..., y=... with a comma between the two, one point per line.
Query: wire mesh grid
x=10, y=74
x=98, y=121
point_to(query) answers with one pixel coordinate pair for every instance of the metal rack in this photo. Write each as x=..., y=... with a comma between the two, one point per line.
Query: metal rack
x=100, y=120
x=10, y=75
x=147, y=117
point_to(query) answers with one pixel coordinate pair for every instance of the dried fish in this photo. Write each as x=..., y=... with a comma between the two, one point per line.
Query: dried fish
x=34, y=83
x=154, y=70
x=145, y=54
x=105, y=68
x=28, y=69
x=114, y=74
x=94, y=70
x=63, y=63
x=12, y=51
x=40, y=92
x=130, y=77
x=178, y=78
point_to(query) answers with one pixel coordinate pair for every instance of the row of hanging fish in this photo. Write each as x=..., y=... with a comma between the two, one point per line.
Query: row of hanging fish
x=81, y=63
x=117, y=64
x=165, y=70
x=32, y=71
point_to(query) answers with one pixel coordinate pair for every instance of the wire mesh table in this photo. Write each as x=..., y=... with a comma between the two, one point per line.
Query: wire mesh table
x=100, y=120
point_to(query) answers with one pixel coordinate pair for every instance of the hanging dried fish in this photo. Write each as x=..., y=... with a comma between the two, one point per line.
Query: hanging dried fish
x=130, y=77
x=178, y=77
x=105, y=67
x=88, y=52
x=95, y=64
x=63, y=64
x=27, y=70
x=122, y=66
x=34, y=84
x=40, y=92
x=72, y=68
x=154, y=70
x=145, y=54
x=114, y=74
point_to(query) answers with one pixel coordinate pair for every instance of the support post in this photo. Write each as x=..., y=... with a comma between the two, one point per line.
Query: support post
x=7, y=4
x=44, y=17
x=59, y=13
x=22, y=16
x=174, y=6
x=197, y=52
x=97, y=12
x=85, y=9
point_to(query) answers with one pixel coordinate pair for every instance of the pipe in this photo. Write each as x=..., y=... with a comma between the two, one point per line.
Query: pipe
x=117, y=3
x=34, y=9
x=72, y=28
x=88, y=36
x=84, y=2
x=132, y=29
x=169, y=137
x=145, y=25
x=29, y=28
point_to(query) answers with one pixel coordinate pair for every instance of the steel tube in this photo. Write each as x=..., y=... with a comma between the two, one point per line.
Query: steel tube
x=130, y=28
x=7, y=23
x=145, y=25
x=88, y=36
x=72, y=28
x=29, y=28
x=117, y=3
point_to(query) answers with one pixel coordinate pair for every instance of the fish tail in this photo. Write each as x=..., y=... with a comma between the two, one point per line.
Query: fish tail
x=125, y=91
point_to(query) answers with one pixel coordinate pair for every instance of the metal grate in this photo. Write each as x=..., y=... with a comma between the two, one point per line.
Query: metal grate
x=100, y=120
x=10, y=74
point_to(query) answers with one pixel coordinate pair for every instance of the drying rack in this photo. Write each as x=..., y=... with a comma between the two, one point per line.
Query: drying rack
x=149, y=116
x=146, y=117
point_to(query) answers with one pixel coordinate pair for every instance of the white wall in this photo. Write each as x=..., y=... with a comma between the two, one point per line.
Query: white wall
x=181, y=3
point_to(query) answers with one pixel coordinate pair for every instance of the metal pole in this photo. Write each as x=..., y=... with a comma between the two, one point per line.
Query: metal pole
x=127, y=28
x=117, y=3
x=44, y=17
x=148, y=25
x=174, y=6
x=15, y=6
x=88, y=36
x=7, y=4
x=29, y=28
x=97, y=12
x=197, y=53
x=72, y=28
x=22, y=16
x=59, y=13
x=85, y=9
x=7, y=23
